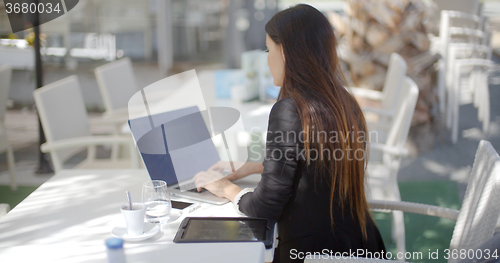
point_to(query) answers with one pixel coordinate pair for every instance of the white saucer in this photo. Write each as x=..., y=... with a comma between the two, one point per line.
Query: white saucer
x=150, y=230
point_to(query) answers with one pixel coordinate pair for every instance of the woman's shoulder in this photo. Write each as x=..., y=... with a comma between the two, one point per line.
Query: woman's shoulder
x=284, y=106
x=284, y=116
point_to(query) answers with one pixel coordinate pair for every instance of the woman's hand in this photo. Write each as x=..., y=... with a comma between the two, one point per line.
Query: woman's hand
x=243, y=169
x=215, y=182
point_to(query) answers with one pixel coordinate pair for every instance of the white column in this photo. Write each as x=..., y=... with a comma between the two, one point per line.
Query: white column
x=164, y=35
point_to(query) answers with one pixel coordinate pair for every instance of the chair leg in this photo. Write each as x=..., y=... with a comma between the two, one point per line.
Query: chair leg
x=56, y=162
x=449, y=108
x=478, y=95
x=12, y=168
x=486, y=120
x=456, y=107
x=441, y=86
x=473, y=79
x=91, y=153
x=454, y=130
x=398, y=230
x=486, y=106
x=398, y=223
x=115, y=149
x=4, y=209
x=134, y=156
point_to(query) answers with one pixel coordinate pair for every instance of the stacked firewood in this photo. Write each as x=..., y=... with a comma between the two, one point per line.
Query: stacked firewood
x=371, y=30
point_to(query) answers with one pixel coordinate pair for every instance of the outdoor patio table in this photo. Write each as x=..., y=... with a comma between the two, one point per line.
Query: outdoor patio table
x=68, y=218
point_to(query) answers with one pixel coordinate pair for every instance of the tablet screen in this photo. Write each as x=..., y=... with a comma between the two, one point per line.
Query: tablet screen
x=227, y=230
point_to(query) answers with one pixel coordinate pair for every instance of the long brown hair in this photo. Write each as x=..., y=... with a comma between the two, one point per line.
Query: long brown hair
x=314, y=81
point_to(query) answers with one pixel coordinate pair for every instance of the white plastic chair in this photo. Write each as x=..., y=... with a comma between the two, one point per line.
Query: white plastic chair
x=478, y=87
x=480, y=210
x=4, y=209
x=5, y=76
x=473, y=42
x=466, y=6
x=388, y=97
x=481, y=37
x=117, y=84
x=64, y=120
x=470, y=80
x=465, y=51
x=473, y=7
x=469, y=30
x=385, y=158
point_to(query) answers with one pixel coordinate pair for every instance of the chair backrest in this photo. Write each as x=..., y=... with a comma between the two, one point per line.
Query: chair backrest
x=406, y=102
x=480, y=210
x=63, y=114
x=5, y=76
x=462, y=27
x=117, y=83
x=396, y=72
x=466, y=6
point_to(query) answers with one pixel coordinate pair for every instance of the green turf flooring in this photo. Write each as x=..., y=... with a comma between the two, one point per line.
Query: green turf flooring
x=423, y=233
x=14, y=198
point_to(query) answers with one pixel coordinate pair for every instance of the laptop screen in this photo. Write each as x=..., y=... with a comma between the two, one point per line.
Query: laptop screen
x=174, y=145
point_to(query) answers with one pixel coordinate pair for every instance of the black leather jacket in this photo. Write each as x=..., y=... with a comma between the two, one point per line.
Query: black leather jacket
x=289, y=194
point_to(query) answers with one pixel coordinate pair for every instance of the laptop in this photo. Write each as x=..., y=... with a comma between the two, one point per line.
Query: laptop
x=174, y=147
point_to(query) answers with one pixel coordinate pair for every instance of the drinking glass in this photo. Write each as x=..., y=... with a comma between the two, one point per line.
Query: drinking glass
x=157, y=200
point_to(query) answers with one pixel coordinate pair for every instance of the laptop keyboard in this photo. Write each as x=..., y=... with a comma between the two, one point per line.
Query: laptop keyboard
x=196, y=191
x=191, y=187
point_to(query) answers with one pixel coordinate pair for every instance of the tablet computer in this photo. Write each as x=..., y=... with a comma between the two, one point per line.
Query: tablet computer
x=225, y=229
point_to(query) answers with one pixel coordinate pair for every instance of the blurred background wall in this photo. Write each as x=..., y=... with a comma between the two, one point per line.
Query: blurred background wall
x=162, y=37
x=199, y=33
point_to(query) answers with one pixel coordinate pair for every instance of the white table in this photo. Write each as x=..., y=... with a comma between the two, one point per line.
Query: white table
x=18, y=58
x=68, y=218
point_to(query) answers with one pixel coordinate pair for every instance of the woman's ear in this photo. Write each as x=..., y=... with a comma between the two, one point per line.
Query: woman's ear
x=282, y=53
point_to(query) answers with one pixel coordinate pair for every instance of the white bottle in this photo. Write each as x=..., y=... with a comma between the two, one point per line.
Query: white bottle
x=115, y=250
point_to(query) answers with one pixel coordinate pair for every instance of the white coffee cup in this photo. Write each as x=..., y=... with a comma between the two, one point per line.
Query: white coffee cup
x=134, y=219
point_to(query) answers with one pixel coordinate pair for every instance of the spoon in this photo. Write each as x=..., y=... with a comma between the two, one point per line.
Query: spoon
x=129, y=200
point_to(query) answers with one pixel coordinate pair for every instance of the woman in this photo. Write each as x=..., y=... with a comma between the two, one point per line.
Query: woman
x=313, y=175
